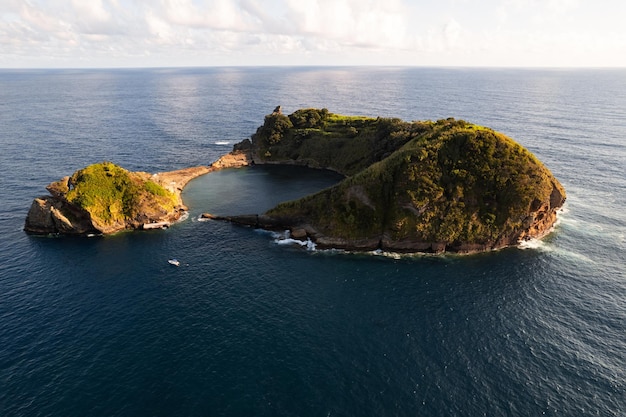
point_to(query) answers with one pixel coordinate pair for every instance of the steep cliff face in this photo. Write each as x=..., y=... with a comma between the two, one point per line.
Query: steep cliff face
x=50, y=214
x=411, y=187
x=105, y=198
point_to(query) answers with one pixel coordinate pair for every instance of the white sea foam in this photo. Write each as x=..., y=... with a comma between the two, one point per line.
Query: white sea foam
x=541, y=245
x=563, y=211
x=284, y=238
x=380, y=252
x=568, y=254
x=276, y=235
x=568, y=221
x=534, y=244
x=308, y=244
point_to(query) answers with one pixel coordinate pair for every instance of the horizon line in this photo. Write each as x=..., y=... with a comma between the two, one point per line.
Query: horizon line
x=495, y=67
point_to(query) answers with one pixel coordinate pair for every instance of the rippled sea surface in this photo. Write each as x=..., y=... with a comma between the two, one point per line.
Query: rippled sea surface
x=248, y=327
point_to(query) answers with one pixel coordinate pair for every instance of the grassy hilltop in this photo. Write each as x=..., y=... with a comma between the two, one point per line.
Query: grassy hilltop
x=318, y=138
x=410, y=185
x=103, y=198
x=113, y=195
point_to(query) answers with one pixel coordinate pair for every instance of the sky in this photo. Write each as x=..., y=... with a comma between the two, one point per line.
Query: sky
x=180, y=33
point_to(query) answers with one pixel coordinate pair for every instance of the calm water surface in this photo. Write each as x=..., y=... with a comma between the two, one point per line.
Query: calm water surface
x=245, y=326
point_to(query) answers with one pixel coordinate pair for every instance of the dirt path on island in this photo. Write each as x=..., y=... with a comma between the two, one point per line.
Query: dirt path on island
x=175, y=181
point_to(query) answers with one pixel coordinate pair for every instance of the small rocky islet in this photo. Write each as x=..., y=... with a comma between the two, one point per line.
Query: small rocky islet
x=426, y=186
x=104, y=198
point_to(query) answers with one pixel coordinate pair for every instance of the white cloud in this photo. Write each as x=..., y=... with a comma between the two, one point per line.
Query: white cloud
x=208, y=32
x=160, y=29
x=218, y=14
x=40, y=21
x=93, y=10
x=452, y=33
x=363, y=23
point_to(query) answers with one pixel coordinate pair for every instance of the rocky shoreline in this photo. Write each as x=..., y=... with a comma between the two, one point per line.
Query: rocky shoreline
x=538, y=224
x=302, y=231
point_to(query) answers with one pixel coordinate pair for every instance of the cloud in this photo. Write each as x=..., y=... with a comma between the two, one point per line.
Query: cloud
x=40, y=21
x=206, y=32
x=91, y=11
x=282, y=26
x=363, y=23
x=452, y=33
x=216, y=15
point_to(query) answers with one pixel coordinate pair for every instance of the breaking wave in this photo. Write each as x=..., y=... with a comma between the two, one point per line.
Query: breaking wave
x=285, y=238
x=536, y=244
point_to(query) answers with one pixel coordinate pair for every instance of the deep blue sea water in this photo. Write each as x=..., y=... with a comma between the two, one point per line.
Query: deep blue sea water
x=248, y=327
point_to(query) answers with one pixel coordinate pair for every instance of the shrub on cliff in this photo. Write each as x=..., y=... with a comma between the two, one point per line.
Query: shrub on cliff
x=308, y=118
x=319, y=138
x=112, y=194
x=274, y=128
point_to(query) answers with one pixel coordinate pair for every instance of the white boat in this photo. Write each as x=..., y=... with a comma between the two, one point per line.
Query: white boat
x=174, y=262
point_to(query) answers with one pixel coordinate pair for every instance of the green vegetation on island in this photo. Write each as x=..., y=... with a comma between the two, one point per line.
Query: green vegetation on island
x=410, y=185
x=105, y=198
x=318, y=138
x=112, y=194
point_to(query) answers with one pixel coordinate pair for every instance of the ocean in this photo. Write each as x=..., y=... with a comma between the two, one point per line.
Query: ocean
x=246, y=326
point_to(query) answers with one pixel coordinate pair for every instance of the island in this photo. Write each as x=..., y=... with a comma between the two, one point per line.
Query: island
x=426, y=186
x=422, y=186
x=104, y=198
